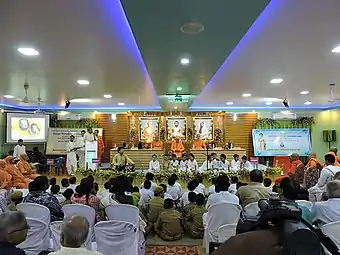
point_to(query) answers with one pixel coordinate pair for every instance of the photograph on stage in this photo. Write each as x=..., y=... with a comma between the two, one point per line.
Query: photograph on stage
x=204, y=128
x=176, y=128
x=148, y=129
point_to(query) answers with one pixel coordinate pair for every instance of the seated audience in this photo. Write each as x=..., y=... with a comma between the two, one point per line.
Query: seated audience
x=245, y=164
x=74, y=232
x=145, y=194
x=241, y=184
x=198, y=144
x=211, y=189
x=222, y=182
x=95, y=189
x=223, y=164
x=67, y=195
x=65, y=184
x=200, y=189
x=154, y=165
x=192, y=165
x=194, y=218
x=5, y=178
x=157, y=144
x=183, y=164
x=18, y=180
x=328, y=211
x=334, y=152
x=13, y=231
x=84, y=196
x=188, y=208
x=52, y=181
x=38, y=195
x=173, y=190
x=25, y=168
x=185, y=199
x=165, y=189
x=235, y=163
x=254, y=191
x=313, y=160
x=106, y=191
x=16, y=198
x=73, y=183
x=177, y=184
x=267, y=182
x=149, y=176
x=174, y=162
x=177, y=147
x=55, y=191
x=169, y=223
x=207, y=165
x=156, y=205
x=233, y=185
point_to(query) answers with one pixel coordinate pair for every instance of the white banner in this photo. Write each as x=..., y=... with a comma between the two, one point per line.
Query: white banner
x=58, y=138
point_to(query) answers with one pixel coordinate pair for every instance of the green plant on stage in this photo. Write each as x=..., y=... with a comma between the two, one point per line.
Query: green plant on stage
x=266, y=123
x=274, y=170
x=305, y=122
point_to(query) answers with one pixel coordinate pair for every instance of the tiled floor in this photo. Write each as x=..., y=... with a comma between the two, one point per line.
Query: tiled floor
x=172, y=250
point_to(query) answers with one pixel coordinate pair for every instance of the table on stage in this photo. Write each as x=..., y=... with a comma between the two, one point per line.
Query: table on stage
x=141, y=158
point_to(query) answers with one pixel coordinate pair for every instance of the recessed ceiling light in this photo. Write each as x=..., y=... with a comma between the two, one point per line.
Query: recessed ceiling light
x=83, y=82
x=308, y=103
x=121, y=104
x=304, y=92
x=269, y=103
x=107, y=96
x=80, y=100
x=28, y=51
x=176, y=107
x=8, y=96
x=185, y=61
x=276, y=81
x=336, y=49
x=230, y=103
x=179, y=89
x=246, y=95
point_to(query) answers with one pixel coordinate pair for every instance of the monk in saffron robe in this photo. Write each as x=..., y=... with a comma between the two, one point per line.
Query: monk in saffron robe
x=334, y=152
x=296, y=169
x=18, y=180
x=5, y=178
x=177, y=148
x=157, y=144
x=25, y=168
x=313, y=161
x=198, y=144
x=100, y=144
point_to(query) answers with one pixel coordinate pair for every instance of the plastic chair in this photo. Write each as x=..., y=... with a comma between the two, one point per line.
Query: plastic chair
x=35, y=211
x=55, y=228
x=121, y=212
x=226, y=231
x=332, y=230
x=251, y=210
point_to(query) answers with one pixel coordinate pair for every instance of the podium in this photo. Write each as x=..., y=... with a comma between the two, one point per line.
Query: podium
x=91, y=152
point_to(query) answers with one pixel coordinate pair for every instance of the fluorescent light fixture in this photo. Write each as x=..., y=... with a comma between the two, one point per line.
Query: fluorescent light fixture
x=185, y=61
x=269, y=103
x=304, y=92
x=286, y=112
x=121, y=104
x=80, y=100
x=28, y=51
x=83, y=82
x=276, y=81
x=176, y=107
x=8, y=96
x=308, y=103
x=230, y=103
x=246, y=95
x=107, y=96
x=179, y=89
x=336, y=49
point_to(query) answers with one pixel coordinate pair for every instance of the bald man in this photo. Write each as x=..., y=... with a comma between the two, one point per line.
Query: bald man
x=313, y=160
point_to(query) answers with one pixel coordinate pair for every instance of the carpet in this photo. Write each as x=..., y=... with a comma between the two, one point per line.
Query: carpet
x=171, y=250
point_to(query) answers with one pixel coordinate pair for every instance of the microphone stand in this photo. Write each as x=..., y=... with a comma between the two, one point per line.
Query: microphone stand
x=207, y=154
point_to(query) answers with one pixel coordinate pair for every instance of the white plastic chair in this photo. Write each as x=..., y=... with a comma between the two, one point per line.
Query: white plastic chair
x=226, y=231
x=35, y=211
x=116, y=238
x=305, y=203
x=332, y=230
x=251, y=210
x=218, y=215
x=121, y=212
x=55, y=228
x=37, y=239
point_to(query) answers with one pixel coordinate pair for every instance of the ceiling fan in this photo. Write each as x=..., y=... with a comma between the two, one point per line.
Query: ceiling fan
x=332, y=98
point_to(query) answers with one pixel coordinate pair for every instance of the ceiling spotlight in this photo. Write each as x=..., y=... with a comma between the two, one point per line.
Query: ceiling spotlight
x=107, y=96
x=304, y=92
x=83, y=82
x=28, y=51
x=179, y=89
x=285, y=103
x=185, y=61
x=8, y=96
x=2, y=110
x=230, y=103
x=121, y=104
x=246, y=95
x=67, y=104
x=176, y=107
x=269, y=103
x=276, y=81
x=308, y=103
x=336, y=49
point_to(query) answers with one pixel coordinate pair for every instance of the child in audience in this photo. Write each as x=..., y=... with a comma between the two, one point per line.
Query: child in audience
x=211, y=189
x=173, y=190
x=106, y=191
x=195, y=218
x=233, y=186
x=165, y=188
x=200, y=187
x=145, y=194
x=149, y=176
x=184, y=199
x=95, y=189
x=67, y=195
x=53, y=181
x=135, y=195
x=73, y=183
x=188, y=208
x=16, y=198
x=64, y=184
x=241, y=184
x=267, y=183
x=192, y=164
x=183, y=165
x=174, y=162
x=177, y=184
x=169, y=224
x=154, y=165
x=55, y=189
x=156, y=205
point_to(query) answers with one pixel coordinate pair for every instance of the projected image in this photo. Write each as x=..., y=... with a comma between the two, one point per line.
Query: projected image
x=27, y=128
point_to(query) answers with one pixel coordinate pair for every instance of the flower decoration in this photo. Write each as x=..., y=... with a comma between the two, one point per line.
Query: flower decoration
x=218, y=135
x=190, y=134
x=162, y=134
x=133, y=135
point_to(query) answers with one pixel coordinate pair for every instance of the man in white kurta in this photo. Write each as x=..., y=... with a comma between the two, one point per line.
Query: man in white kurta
x=183, y=164
x=246, y=165
x=19, y=149
x=235, y=163
x=208, y=165
x=81, y=151
x=154, y=165
x=71, y=158
x=89, y=135
x=192, y=165
x=223, y=164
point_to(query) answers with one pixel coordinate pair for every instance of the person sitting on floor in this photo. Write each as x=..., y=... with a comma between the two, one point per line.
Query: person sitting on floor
x=177, y=184
x=169, y=223
x=155, y=205
x=200, y=186
x=73, y=183
x=55, y=189
x=52, y=181
x=5, y=178
x=18, y=180
x=173, y=190
x=25, y=168
x=245, y=164
x=188, y=208
x=233, y=185
x=145, y=194
x=165, y=189
x=174, y=163
x=149, y=176
x=212, y=188
x=16, y=198
x=267, y=182
x=65, y=183
x=192, y=166
x=106, y=191
x=67, y=195
x=154, y=165
x=194, y=218
x=183, y=164
x=185, y=199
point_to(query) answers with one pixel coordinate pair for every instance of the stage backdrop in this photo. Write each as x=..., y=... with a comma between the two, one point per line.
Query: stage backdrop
x=176, y=128
x=281, y=142
x=148, y=129
x=204, y=128
x=58, y=138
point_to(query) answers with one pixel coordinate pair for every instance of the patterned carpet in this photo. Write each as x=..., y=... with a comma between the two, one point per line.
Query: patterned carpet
x=171, y=250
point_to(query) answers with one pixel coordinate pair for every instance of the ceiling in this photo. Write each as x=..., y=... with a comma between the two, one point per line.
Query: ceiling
x=132, y=51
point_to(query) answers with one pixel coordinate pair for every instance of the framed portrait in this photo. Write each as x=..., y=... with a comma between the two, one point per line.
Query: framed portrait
x=204, y=127
x=148, y=129
x=176, y=128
